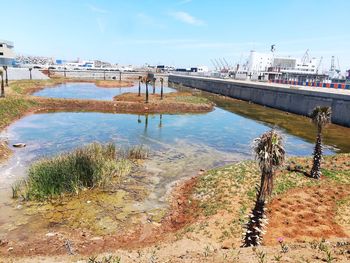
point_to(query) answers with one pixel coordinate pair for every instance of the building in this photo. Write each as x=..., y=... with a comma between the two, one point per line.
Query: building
x=7, y=54
x=268, y=66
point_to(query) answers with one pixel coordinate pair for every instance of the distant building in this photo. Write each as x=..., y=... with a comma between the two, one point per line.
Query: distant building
x=7, y=54
x=267, y=66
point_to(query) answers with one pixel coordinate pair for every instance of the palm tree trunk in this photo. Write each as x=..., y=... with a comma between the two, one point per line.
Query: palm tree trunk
x=257, y=221
x=6, y=78
x=139, y=88
x=161, y=90
x=154, y=87
x=2, y=86
x=146, y=92
x=316, y=167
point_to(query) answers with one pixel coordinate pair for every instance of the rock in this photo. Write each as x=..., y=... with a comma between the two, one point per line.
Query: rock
x=202, y=170
x=226, y=244
x=88, y=201
x=179, y=201
x=19, y=145
x=50, y=234
x=10, y=249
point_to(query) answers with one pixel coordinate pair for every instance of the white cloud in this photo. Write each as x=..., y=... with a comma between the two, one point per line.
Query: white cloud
x=187, y=18
x=101, y=25
x=96, y=9
x=149, y=20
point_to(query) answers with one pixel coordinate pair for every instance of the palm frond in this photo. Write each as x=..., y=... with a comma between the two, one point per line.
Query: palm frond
x=269, y=151
x=321, y=116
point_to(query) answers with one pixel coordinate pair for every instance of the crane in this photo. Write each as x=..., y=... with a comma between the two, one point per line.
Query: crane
x=222, y=63
x=228, y=66
x=305, y=58
x=318, y=66
x=218, y=63
x=216, y=68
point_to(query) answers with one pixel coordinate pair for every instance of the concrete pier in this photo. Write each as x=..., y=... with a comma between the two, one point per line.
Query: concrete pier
x=294, y=99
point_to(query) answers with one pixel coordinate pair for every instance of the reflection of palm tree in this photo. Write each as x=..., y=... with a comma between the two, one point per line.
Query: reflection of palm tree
x=320, y=116
x=161, y=88
x=6, y=77
x=154, y=85
x=140, y=79
x=30, y=73
x=138, y=119
x=270, y=154
x=160, y=121
x=2, y=84
x=146, y=123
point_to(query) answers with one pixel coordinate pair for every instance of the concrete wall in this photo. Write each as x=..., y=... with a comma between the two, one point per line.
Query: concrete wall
x=23, y=73
x=297, y=101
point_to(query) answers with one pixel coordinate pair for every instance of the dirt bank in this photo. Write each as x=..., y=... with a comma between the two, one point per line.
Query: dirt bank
x=206, y=215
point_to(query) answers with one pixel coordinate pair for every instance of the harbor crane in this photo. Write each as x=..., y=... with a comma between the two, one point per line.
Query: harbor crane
x=228, y=66
x=215, y=66
x=218, y=64
x=318, y=66
x=222, y=63
x=305, y=58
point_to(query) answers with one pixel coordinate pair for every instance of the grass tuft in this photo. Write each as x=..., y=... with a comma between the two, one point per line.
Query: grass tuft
x=95, y=165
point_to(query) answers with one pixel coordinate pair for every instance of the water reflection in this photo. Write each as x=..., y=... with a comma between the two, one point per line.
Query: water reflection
x=90, y=91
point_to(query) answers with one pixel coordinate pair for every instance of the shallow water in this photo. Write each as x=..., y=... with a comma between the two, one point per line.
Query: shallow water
x=180, y=146
x=91, y=91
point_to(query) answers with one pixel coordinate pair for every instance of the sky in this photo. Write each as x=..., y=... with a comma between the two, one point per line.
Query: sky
x=182, y=33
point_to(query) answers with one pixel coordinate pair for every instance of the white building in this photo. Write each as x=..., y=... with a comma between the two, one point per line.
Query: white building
x=265, y=66
x=7, y=54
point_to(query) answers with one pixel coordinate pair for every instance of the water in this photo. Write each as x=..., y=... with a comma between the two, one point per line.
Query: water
x=180, y=145
x=91, y=91
x=227, y=135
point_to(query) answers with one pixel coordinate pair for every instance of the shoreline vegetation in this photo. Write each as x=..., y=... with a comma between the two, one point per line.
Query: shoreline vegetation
x=18, y=102
x=92, y=166
x=309, y=219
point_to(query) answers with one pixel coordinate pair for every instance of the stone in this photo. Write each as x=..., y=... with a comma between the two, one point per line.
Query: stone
x=226, y=244
x=19, y=145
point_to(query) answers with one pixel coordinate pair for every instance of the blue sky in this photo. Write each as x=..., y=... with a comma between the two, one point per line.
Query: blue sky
x=179, y=32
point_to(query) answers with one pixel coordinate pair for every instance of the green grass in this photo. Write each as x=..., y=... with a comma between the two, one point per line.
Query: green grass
x=192, y=99
x=92, y=166
x=12, y=108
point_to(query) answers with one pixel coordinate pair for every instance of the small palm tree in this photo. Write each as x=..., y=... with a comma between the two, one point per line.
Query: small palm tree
x=270, y=154
x=321, y=116
x=30, y=73
x=140, y=80
x=147, y=82
x=2, y=84
x=154, y=85
x=6, y=76
x=161, y=88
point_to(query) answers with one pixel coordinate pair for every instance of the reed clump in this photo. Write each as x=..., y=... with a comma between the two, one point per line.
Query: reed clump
x=95, y=165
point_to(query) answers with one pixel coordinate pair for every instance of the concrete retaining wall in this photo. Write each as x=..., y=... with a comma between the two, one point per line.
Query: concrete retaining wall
x=299, y=101
x=23, y=73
